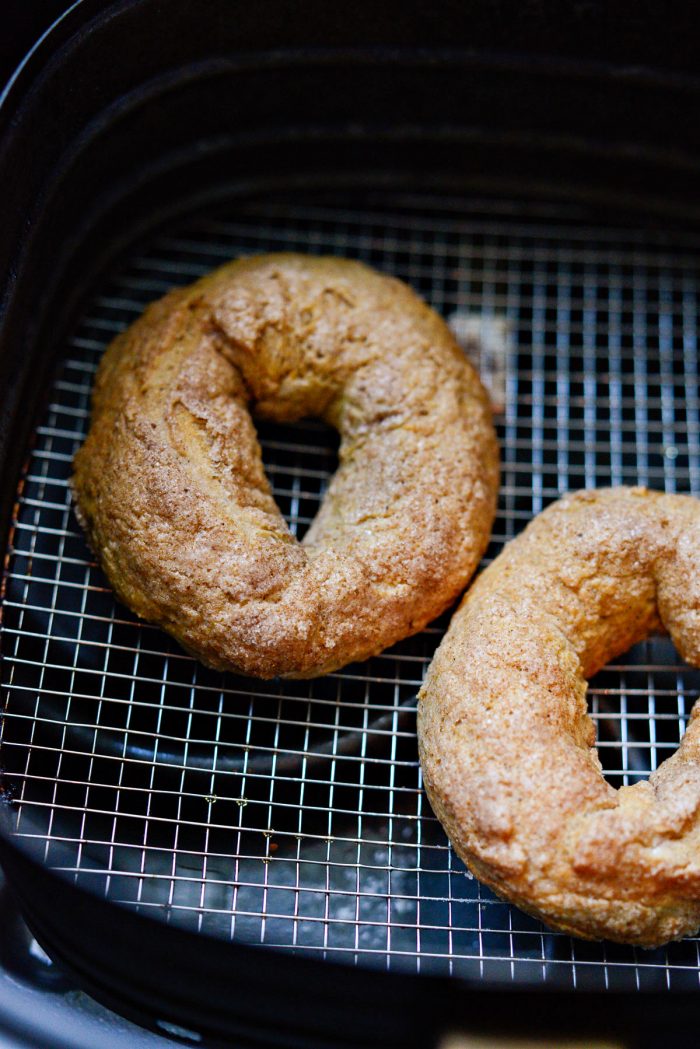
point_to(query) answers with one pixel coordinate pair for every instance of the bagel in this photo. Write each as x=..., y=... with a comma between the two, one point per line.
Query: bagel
x=170, y=487
x=506, y=743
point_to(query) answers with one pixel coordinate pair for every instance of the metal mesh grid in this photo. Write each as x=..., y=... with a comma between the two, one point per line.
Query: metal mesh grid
x=292, y=813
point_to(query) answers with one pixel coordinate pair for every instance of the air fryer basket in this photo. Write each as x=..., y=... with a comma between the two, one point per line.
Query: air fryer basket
x=257, y=859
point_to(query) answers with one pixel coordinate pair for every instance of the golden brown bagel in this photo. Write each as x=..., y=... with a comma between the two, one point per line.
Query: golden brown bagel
x=171, y=489
x=507, y=746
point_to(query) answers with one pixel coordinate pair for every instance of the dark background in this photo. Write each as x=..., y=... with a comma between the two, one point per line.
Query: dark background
x=630, y=32
x=23, y=22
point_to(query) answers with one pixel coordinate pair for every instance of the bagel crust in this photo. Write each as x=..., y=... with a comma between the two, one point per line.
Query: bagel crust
x=506, y=743
x=170, y=487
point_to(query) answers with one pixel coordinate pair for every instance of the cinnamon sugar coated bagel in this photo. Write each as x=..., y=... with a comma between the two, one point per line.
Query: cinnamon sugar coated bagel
x=171, y=490
x=507, y=746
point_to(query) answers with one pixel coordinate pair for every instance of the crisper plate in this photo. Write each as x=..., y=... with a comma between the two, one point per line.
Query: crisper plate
x=292, y=813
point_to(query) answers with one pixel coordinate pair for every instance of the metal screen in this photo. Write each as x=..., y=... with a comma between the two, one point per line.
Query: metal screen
x=292, y=813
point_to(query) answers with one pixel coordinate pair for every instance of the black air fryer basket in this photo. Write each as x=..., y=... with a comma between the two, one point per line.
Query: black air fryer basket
x=245, y=862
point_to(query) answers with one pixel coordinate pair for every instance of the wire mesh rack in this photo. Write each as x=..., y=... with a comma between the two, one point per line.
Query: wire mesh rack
x=292, y=813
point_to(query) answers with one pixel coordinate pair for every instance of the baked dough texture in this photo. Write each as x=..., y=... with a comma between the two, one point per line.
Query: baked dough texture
x=506, y=743
x=171, y=490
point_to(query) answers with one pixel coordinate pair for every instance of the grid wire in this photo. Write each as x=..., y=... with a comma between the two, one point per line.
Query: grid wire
x=292, y=813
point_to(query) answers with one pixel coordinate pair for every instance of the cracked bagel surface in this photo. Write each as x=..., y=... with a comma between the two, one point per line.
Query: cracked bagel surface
x=170, y=487
x=508, y=748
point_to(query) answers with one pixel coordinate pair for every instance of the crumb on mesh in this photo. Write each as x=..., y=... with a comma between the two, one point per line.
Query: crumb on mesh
x=487, y=341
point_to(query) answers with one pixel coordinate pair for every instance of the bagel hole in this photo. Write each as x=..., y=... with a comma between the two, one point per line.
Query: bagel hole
x=299, y=460
x=640, y=704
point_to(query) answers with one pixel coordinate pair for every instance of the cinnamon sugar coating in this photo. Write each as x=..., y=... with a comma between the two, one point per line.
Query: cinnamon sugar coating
x=507, y=745
x=171, y=490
